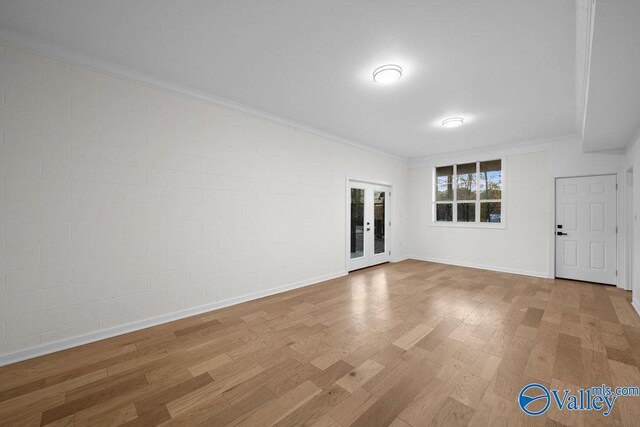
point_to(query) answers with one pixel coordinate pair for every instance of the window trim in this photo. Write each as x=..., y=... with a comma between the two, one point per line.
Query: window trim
x=477, y=224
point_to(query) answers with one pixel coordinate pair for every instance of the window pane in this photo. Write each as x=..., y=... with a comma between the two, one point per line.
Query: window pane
x=466, y=182
x=378, y=221
x=490, y=212
x=444, y=183
x=466, y=212
x=357, y=222
x=491, y=180
x=444, y=212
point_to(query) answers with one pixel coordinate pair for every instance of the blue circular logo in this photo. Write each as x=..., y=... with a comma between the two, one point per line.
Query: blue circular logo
x=531, y=394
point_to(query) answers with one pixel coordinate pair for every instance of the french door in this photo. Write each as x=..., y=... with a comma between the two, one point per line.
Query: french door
x=369, y=220
x=586, y=229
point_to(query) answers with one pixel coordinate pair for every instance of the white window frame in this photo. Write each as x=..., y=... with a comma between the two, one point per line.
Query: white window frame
x=454, y=217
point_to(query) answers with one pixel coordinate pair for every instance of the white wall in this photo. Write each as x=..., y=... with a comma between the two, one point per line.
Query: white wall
x=525, y=245
x=520, y=247
x=122, y=203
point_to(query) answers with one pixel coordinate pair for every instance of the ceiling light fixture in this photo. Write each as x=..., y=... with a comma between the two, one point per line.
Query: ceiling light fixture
x=386, y=74
x=452, y=122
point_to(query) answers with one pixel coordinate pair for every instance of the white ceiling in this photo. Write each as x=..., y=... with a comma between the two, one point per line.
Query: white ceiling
x=613, y=99
x=507, y=66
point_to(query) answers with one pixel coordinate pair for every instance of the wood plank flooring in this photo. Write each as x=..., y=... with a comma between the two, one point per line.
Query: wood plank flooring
x=411, y=343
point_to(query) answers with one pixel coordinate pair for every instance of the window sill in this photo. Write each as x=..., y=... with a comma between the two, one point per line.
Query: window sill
x=489, y=226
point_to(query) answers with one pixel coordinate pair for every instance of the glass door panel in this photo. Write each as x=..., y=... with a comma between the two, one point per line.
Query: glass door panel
x=357, y=223
x=378, y=222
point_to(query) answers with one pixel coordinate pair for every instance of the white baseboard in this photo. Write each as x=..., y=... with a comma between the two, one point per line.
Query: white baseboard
x=55, y=346
x=482, y=266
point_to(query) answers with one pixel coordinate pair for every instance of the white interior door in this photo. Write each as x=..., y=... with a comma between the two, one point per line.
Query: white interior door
x=369, y=219
x=586, y=228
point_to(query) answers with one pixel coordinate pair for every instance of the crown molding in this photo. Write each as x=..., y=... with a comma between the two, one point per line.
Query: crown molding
x=518, y=147
x=72, y=57
x=634, y=139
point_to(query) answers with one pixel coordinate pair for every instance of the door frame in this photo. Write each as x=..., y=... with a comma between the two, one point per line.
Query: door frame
x=553, y=222
x=626, y=236
x=347, y=200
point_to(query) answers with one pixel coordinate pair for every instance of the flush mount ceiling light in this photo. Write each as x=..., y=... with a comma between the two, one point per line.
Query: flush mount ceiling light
x=452, y=122
x=386, y=74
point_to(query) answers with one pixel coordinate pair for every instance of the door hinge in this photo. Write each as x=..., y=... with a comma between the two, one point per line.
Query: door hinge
x=389, y=253
x=616, y=272
x=616, y=228
x=616, y=186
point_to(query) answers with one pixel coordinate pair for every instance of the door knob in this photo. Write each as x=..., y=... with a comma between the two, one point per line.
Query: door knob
x=560, y=233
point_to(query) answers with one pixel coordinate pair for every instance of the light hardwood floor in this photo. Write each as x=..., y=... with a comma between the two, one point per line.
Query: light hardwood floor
x=411, y=343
